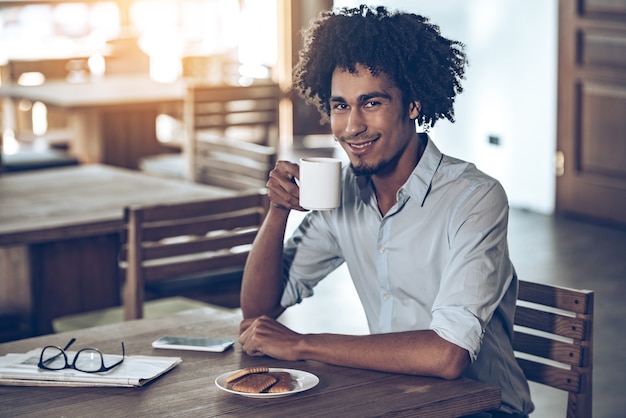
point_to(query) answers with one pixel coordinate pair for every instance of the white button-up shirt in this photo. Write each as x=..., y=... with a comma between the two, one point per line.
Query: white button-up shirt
x=437, y=260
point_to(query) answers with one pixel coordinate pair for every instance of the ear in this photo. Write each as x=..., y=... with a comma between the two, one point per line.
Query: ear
x=414, y=109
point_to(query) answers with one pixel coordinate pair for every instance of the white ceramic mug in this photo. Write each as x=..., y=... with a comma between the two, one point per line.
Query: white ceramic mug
x=320, y=183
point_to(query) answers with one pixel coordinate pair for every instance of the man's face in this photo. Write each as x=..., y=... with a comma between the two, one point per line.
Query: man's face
x=370, y=122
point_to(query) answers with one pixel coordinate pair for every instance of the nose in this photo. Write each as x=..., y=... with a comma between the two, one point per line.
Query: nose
x=356, y=122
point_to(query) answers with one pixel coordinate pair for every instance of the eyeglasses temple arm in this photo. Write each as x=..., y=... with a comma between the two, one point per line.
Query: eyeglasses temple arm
x=69, y=344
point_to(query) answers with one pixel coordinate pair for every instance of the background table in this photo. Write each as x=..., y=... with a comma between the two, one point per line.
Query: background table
x=189, y=389
x=112, y=119
x=59, y=235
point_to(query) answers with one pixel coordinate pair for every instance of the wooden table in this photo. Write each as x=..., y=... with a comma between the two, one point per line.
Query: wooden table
x=112, y=119
x=59, y=235
x=189, y=389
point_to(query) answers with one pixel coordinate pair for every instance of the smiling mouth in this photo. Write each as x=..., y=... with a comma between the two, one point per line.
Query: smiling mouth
x=362, y=145
x=359, y=147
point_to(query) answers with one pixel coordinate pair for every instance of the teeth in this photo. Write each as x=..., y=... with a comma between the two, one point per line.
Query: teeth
x=361, y=145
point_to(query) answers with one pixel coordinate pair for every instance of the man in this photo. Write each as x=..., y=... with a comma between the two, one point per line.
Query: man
x=423, y=234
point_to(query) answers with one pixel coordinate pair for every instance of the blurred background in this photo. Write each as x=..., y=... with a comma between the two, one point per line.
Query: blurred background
x=506, y=118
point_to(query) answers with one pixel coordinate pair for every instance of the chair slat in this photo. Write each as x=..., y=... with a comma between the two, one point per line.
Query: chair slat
x=550, y=322
x=231, y=180
x=225, y=164
x=571, y=354
x=212, y=93
x=183, y=268
x=199, y=245
x=256, y=152
x=201, y=226
x=558, y=297
x=563, y=379
x=200, y=208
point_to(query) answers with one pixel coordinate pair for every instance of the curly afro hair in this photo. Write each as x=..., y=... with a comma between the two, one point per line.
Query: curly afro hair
x=405, y=47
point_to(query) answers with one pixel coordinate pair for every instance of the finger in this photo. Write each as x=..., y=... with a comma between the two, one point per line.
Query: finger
x=249, y=345
x=245, y=336
x=245, y=324
x=290, y=169
x=283, y=191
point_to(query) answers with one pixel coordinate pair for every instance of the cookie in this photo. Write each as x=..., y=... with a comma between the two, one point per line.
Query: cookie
x=283, y=382
x=254, y=383
x=244, y=372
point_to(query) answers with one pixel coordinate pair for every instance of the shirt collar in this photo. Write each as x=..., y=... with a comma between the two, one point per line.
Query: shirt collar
x=419, y=182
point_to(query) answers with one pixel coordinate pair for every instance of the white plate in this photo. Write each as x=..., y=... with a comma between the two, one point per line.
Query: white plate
x=300, y=381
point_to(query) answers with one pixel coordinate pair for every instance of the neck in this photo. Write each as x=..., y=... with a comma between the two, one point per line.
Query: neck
x=386, y=185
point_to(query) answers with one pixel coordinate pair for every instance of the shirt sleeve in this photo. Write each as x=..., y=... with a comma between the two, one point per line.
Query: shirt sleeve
x=309, y=255
x=478, y=271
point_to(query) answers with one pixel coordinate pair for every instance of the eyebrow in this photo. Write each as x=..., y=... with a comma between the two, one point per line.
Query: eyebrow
x=364, y=97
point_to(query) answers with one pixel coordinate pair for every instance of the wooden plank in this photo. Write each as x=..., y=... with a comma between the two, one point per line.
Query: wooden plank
x=563, y=379
x=86, y=200
x=193, y=266
x=571, y=354
x=195, y=246
x=562, y=325
x=200, y=208
x=558, y=297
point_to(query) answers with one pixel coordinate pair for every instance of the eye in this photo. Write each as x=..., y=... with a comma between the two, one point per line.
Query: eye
x=339, y=106
x=371, y=104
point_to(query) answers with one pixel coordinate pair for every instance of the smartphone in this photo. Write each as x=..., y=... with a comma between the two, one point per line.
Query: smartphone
x=215, y=345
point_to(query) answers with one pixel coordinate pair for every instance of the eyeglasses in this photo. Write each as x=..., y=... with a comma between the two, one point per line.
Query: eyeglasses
x=88, y=360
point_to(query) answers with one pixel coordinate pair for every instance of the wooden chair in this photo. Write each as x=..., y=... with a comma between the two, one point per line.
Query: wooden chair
x=232, y=133
x=58, y=132
x=207, y=239
x=230, y=139
x=553, y=341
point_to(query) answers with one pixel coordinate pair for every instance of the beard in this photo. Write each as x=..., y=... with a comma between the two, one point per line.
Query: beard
x=364, y=169
x=380, y=168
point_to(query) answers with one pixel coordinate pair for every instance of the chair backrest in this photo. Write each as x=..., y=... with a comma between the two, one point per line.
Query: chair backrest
x=214, y=68
x=50, y=68
x=170, y=241
x=56, y=119
x=248, y=113
x=553, y=341
x=232, y=134
x=232, y=164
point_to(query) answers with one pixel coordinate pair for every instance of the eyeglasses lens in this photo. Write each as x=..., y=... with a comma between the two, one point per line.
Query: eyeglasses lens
x=88, y=360
x=53, y=358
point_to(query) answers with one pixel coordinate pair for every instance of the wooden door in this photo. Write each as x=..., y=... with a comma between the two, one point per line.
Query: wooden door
x=591, y=126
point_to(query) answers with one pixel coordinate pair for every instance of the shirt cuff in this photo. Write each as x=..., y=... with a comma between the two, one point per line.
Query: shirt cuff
x=459, y=327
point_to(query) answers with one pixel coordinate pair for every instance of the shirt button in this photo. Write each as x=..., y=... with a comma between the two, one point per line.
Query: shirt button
x=386, y=296
x=382, y=249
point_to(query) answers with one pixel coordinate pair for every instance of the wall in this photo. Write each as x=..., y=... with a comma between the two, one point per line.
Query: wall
x=510, y=90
